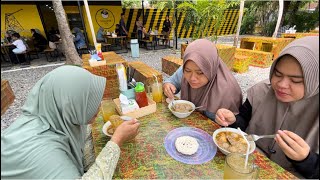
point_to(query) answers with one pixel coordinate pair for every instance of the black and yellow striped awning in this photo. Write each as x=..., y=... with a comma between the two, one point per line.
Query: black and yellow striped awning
x=154, y=18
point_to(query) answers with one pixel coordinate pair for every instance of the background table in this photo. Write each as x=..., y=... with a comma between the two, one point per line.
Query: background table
x=108, y=71
x=145, y=157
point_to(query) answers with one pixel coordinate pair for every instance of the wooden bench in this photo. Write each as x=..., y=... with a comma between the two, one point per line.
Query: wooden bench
x=7, y=96
x=144, y=73
x=146, y=42
x=105, y=46
x=258, y=58
x=241, y=63
x=51, y=52
x=170, y=64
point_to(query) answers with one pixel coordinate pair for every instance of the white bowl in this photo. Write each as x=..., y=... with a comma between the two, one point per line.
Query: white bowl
x=224, y=151
x=105, y=127
x=179, y=114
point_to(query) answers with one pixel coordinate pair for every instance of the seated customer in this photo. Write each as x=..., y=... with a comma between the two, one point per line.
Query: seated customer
x=100, y=34
x=79, y=38
x=40, y=42
x=17, y=41
x=47, y=140
x=205, y=80
x=287, y=104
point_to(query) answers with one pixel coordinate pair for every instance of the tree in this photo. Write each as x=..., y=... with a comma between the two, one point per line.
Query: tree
x=131, y=3
x=69, y=48
x=202, y=13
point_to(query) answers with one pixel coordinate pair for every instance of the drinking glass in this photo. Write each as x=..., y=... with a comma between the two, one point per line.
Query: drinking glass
x=234, y=167
x=108, y=109
x=157, y=92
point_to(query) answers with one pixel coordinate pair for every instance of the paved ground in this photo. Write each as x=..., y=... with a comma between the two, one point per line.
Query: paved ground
x=23, y=79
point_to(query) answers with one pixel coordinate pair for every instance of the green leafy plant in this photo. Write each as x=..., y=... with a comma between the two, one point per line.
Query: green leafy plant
x=200, y=14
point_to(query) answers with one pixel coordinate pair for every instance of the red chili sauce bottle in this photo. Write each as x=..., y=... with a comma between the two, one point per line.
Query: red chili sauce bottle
x=141, y=95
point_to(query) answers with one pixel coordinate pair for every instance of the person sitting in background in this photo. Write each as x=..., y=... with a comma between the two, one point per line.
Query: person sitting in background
x=40, y=42
x=100, y=34
x=20, y=47
x=79, y=38
x=286, y=104
x=47, y=141
x=8, y=36
x=117, y=30
x=139, y=25
x=205, y=80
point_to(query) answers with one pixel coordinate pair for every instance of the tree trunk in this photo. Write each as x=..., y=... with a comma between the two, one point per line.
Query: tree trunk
x=68, y=46
x=236, y=38
x=279, y=19
x=174, y=23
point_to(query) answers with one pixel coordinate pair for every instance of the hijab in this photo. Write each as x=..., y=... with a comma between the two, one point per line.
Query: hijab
x=301, y=117
x=52, y=126
x=222, y=90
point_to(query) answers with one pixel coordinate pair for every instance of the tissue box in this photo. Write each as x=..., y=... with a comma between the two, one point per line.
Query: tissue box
x=151, y=108
x=127, y=108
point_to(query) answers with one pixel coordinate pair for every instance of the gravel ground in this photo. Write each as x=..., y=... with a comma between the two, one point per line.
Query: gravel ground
x=22, y=80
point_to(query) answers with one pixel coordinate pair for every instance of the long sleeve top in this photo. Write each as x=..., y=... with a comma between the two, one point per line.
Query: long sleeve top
x=105, y=163
x=175, y=79
x=309, y=167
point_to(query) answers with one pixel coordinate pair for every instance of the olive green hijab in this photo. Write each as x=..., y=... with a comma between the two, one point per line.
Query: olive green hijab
x=47, y=140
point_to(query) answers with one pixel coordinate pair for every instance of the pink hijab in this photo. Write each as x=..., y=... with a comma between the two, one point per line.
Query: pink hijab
x=222, y=90
x=301, y=117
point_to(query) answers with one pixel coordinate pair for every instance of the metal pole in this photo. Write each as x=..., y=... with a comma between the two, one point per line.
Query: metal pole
x=90, y=22
x=82, y=21
x=175, y=24
x=142, y=13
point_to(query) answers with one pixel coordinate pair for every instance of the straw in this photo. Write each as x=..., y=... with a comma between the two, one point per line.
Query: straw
x=157, y=82
x=247, y=154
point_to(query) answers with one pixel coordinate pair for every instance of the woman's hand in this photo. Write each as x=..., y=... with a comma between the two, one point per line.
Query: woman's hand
x=169, y=90
x=225, y=117
x=292, y=145
x=126, y=131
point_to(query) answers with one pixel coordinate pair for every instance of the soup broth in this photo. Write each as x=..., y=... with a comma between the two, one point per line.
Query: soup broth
x=234, y=143
x=182, y=107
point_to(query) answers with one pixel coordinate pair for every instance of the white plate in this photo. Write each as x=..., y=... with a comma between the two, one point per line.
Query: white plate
x=105, y=127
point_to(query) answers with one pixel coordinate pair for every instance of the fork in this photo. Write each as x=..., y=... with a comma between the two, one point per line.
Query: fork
x=253, y=137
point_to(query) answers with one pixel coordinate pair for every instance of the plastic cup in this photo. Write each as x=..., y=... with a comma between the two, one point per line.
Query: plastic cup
x=234, y=167
x=115, y=121
x=108, y=109
x=157, y=92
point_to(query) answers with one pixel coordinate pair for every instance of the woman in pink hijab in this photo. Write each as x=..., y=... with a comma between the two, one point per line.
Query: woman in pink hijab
x=286, y=105
x=205, y=80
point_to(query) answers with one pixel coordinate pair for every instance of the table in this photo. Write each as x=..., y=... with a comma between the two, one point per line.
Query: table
x=155, y=41
x=298, y=35
x=145, y=157
x=123, y=41
x=107, y=70
x=267, y=44
x=7, y=96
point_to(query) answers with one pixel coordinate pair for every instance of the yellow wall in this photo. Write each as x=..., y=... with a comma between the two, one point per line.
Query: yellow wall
x=109, y=23
x=28, y=18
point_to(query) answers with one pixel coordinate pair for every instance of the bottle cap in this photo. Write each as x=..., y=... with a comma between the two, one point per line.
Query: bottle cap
x=139, y=87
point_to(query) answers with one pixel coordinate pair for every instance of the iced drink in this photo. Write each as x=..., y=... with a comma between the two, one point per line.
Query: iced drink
x=108, y=109
x=234, y=167
x=157, y=92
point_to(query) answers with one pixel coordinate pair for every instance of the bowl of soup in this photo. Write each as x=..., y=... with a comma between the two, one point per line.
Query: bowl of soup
x=230, y=140
x=181, y=108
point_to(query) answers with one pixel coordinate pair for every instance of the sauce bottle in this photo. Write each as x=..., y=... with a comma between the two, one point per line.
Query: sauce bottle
x=141, y=95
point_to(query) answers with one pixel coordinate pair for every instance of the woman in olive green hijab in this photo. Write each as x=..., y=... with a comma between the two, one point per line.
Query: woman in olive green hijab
x=47, y=140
